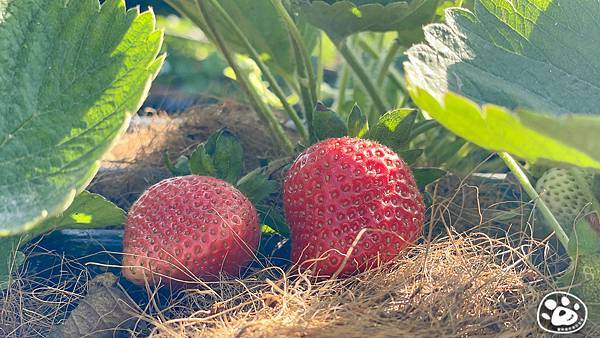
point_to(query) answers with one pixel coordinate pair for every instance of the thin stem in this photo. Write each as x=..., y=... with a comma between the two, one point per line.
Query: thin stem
x=342, y=86
x=387, y=61
x=367, y=48
x=299, y=45
x=362, y=75
x=320, y=65
x=424, y=126
x=398, y=81
x=263, y=68
x=516, y=169
x=307, y=102
x=260, y=106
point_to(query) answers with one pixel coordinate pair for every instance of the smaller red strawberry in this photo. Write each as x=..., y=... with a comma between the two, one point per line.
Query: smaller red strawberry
x=345, y=193
x=189, y=226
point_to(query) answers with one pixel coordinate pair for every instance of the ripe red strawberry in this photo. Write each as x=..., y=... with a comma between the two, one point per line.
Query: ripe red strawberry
x=189, y=226
x=337, y=188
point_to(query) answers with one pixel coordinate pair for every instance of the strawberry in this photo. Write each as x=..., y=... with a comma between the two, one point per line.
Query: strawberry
x=189, y=226
x=343, y=190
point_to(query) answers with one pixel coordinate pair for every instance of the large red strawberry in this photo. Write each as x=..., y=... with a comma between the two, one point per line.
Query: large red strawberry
x=189, y=226
x=346, y=191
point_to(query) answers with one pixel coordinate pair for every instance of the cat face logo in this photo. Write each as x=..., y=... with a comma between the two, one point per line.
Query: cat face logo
x=561, y=313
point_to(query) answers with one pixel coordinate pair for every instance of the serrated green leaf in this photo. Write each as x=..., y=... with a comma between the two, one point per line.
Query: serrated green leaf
x=201, y=163
x=327, y=123
x=228, y=156
x=72, y=74
x=265, y=30
x=394, y=128
x=256, y=186
x=341, y=19
x=518, y=77
x=426, y=176
x=358, y=125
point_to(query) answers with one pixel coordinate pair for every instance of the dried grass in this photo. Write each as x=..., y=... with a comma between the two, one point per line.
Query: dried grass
x=451, y=284
x=136, y=161
x=455, y=286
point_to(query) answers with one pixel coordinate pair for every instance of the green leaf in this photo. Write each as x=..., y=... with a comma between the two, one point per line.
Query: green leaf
x=228, y=156
x=358, y=124
x=327, y=123
x=201, y=163
x=341, y=19
x=181, y=167
x=265, y=30
x=426, y=176
x=87, y=211
x=72, y=75
x=520, y=77
x=257, y=186
x=273, y=217
x=410, y=156
x=394, y=128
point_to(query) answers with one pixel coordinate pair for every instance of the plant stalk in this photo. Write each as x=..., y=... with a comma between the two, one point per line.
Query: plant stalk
x=387, y=61
x=342, y=86
x=299, y=45
x=363, y=76
x=516, y=169
x=263, y=68
x=255, y=99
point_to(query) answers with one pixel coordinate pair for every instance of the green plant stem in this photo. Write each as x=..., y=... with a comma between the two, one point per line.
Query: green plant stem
x=363, y=76
x=307, y=101
x=424, y=126
x=367, y=48
x=516, y=169
x=342, y=86
x=320, y=66
x=263, y=68
x=260, y=106
x=299, y=45
x=387, y=61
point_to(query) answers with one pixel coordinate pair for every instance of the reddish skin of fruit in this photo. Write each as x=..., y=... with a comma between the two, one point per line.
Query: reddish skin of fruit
x=340, y=186
x=189, y=226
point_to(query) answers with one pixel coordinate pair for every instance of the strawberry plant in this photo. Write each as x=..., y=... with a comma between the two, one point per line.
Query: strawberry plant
x=73, y=73
x=515, y=78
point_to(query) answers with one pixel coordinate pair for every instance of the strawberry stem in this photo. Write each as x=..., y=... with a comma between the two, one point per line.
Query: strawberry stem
x=516, y=169
x=305, y=67
x=364, y=77
x=263, y=68
x=258, y=104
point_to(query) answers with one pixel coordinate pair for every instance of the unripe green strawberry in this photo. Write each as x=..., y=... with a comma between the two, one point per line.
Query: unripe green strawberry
x=563, y=195
x=189, y=226
x=344, y=190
